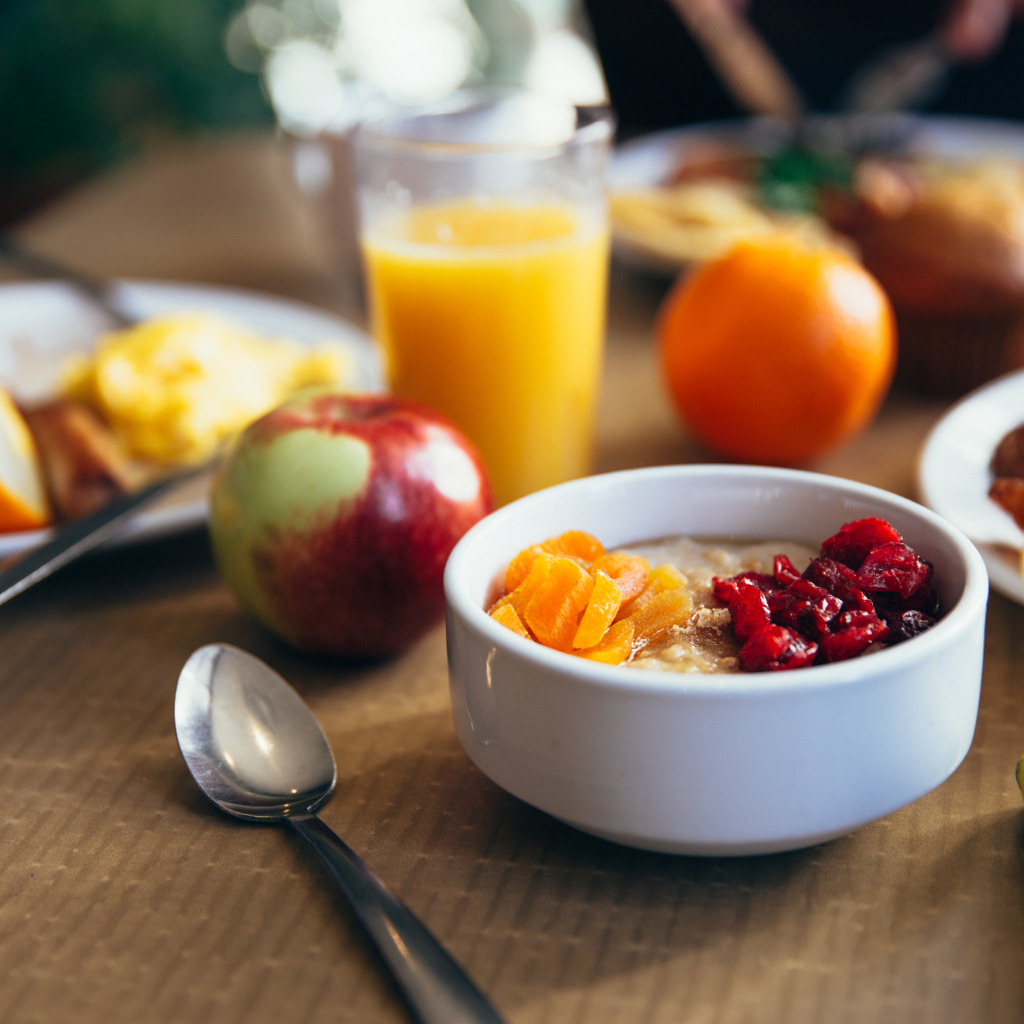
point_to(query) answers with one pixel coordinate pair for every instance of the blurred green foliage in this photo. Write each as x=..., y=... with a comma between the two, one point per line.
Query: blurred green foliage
x=84, y=81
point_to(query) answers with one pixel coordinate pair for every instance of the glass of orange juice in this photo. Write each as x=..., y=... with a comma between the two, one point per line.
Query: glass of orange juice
x=485, y=237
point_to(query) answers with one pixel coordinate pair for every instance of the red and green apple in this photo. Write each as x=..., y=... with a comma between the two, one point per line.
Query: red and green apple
x=333, y=516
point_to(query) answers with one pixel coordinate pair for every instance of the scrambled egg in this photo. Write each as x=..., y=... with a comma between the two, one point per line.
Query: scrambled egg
x=174, y=388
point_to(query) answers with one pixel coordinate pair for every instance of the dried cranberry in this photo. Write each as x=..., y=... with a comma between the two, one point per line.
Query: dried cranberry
x=834, y=577
x=723, y=589
x=924, y=599
x=857, y=601
x=866, y=588
x=785, y=571
x=858, y=618
x=854, y=541
x=895, y=568
x=804, y=607
x=749, y=609
x=849, y=642
x=904, y=625
x=774, y=649
x=759, y=579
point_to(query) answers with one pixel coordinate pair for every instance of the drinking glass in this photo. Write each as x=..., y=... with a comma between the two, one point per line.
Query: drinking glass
x=484, y=232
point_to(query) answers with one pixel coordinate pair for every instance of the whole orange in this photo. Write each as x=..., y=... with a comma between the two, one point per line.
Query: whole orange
x=777, y=351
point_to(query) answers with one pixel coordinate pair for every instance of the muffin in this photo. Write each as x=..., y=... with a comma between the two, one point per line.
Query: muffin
x=947, y=244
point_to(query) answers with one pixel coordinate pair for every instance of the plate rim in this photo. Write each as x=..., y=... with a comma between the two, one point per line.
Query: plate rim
x=1007, y=581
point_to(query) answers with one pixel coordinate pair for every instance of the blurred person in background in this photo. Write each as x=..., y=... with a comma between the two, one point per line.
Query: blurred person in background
x=86, y=83
x=658, y=78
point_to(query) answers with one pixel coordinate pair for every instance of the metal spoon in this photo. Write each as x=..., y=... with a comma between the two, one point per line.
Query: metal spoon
x=257, y=752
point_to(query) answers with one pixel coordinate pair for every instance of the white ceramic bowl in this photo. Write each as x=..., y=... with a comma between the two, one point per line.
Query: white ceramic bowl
x=703, y=764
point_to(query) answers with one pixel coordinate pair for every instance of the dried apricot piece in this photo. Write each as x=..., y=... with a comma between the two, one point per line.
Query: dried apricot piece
x=539, y=572
x=669, y=608
x=575, y=543
x=520, y=566
x=506, y=615
x=660, y=579
x=601, y=611
x=553, y=612
x=615, y=648
x=628, y=571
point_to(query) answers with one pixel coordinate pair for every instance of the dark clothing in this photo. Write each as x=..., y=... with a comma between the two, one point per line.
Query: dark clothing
x=658, y=78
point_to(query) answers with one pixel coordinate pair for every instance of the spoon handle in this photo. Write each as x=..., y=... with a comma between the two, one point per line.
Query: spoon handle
x=436, y=988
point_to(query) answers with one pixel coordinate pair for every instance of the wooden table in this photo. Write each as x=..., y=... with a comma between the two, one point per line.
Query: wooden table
x=124, y=896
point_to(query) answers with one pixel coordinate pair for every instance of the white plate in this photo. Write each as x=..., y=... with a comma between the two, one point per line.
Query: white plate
x=41, y=323
x=650, y=159
x=954, y=476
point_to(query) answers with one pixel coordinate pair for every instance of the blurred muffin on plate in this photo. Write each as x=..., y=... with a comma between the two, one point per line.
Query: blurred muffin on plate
x=947, y=244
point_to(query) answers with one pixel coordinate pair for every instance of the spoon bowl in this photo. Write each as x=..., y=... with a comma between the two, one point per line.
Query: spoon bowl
x=248, y=738
x=255, y=749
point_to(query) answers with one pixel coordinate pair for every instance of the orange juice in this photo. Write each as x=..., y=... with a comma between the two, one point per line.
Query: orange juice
x=493, y=314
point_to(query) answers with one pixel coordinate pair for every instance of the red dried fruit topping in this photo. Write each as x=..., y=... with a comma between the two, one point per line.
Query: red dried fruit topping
x=895, y=568
x=760, y=580
x=849, y=642
x=804, y=607
x=858, y=618
x=854, y=541
x=904, y=625
x=747, y=605
x=775, y=649
x=867, y=589
x=785, y=571
x=834, y=577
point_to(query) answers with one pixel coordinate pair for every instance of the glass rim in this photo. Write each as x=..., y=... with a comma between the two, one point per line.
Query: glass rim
x=385, y=132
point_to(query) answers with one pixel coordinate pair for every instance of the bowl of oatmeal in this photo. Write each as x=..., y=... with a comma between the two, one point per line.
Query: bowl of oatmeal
x=676, y=749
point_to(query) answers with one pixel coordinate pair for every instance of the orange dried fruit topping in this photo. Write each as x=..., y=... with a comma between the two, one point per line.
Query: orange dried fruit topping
x=520, y=597
x=601, y=611
x=520, y=566
x=629, y=572
x=576, y=543
x=670, y=608
x=615, y=648
x=506, y=615
x=659, y=579
x=569, y=594
x=553, y=611
x=572, y=543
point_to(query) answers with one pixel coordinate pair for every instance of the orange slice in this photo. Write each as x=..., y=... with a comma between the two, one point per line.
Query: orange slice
x=23, y=504
x=601, y=611
x=553, y=612
x=615, y=648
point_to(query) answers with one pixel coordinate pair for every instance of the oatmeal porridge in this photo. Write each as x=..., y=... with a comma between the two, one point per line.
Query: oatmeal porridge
x=707, y=642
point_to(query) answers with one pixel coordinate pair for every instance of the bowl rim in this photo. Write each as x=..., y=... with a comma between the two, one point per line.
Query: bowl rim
x=814, y=678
